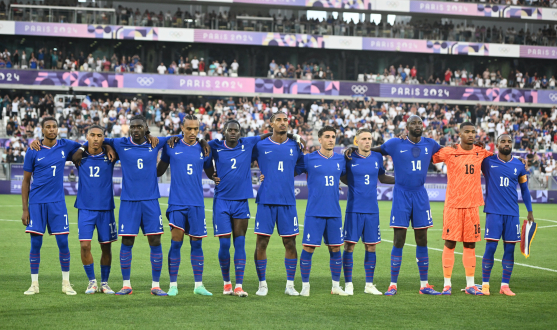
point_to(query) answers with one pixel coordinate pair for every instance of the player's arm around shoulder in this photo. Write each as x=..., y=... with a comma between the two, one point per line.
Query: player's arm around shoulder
x=302, y=165
x=441, y=155
x=164, y=162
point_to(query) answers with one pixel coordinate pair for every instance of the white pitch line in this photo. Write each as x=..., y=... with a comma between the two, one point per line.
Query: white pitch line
x=548, y=226
x=516, y=263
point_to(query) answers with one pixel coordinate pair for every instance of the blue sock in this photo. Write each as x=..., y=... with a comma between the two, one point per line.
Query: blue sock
x=508, y=262
x=239, y=258
x=290, y=265
x=305, y=265
x=197, y=260
x=335, y=263
x=90, y=271
x=396, y=260
x=35, y=253
x=261, y=269
x=64, y=252
x=126, y=261
x=174, y=259
x=105, y=273
x=487, y=260
x=422, y=258
x=347, y=264
x=156, y=262
x=224, y=258
x=369, y=266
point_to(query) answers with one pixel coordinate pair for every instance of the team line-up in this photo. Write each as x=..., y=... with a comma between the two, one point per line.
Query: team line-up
x=280, y=158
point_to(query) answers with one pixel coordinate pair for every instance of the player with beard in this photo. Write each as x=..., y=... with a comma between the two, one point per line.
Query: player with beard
x=503, y=173
x=411, y=158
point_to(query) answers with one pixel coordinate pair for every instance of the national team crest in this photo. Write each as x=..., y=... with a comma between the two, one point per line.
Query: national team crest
x=426, y=151
x=201, y=155
x=515, y=171
x=376, y=166
x=338, y=166
x=63, y=155
x=291, y=152
x=416, y=151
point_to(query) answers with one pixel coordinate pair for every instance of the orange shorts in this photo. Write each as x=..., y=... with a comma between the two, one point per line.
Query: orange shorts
x=461, y=225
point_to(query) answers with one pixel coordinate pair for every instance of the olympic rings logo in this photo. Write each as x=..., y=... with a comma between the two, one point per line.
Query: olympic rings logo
x=145, y=81
x=359, y=89
x=553, y=97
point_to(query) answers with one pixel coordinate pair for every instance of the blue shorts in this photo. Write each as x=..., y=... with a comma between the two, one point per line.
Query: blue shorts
x=364, y=225
x=144, y=214
x=224, y=211
x=107, y=231
x=410, y=206
x=51, y=216
x=328, y=228
x=190, y=220
x=497, y=225
x=285, y=216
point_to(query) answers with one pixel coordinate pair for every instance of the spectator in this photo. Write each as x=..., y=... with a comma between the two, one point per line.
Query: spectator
x=161, y=69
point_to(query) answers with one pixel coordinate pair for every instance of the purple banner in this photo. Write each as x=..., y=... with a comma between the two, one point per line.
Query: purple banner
x=60, y=78
x=86, y=31
x=538, y=52
x=190, y=83
x=299, y=87
x=460, y=93
x=214, y=84
x=258, y=38
x=359, y=89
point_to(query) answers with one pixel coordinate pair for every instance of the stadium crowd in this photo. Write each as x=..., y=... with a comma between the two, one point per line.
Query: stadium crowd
x=56, y=60
x=240, y=20
x=535, y=131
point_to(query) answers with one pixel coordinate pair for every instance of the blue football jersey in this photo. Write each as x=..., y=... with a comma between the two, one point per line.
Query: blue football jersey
x=47, y=166
x=323, y=182
x=362, y=173
x=277, y=162
x=410, y=160
x=501, y=181
x=233, y=166
x=139, y=168
x=186, y=165
x=94, y=188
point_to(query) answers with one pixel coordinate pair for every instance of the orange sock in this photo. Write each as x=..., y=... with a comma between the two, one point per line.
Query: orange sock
x=469, y=261
x=448, y=262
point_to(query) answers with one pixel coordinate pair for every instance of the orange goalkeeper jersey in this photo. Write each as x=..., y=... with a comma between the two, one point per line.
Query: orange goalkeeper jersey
x=464, y=170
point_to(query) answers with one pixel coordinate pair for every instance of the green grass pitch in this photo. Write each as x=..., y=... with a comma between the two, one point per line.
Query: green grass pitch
x=534, y=280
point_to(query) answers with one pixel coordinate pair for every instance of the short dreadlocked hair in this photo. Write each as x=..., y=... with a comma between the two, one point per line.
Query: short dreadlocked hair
x=231, y=121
